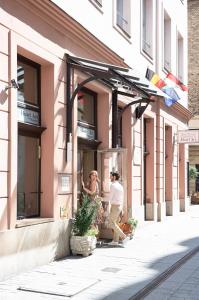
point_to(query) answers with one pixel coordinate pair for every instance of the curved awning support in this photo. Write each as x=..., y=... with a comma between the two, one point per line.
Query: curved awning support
x=115, y=77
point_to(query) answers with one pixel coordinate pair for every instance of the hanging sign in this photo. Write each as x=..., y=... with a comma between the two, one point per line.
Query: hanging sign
x=188, y=136
x=28, y=116
x=86, y=133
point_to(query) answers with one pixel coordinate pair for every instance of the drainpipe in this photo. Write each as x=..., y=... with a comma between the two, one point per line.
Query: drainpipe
x=114, y=120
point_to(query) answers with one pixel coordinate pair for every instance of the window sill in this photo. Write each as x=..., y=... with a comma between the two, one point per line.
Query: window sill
x=32, y=221
x=147, y=56
x=97, y=5
x=122, y=33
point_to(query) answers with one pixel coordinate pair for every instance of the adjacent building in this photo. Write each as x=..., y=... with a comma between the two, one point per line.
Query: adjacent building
x=193, y=30
x=74, y=98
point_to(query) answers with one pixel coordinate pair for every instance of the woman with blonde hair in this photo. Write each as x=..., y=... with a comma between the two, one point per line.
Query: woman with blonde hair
x=92, y=186
x=92, y=190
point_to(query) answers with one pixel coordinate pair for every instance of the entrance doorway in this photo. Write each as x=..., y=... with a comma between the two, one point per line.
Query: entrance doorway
x=86, y=162
x=28, y=183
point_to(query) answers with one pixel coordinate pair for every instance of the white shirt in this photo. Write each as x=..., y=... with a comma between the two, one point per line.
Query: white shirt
x=116, y=195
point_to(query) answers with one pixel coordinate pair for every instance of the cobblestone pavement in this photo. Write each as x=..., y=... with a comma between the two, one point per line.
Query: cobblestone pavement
x=122, y=273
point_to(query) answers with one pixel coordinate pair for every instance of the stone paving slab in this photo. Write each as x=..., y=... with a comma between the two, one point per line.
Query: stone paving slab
x=119, y=273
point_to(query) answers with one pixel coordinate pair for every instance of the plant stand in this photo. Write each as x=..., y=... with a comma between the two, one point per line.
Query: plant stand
x=83, y=245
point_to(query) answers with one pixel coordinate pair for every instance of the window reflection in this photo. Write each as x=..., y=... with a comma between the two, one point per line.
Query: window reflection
x=27, y=80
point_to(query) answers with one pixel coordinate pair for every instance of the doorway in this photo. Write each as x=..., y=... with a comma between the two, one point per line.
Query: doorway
x=86, y=161
x=28, y=181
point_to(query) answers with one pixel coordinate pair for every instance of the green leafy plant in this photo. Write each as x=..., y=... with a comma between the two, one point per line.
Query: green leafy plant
x=85, y=216
x=133, y=222
x=193, y=173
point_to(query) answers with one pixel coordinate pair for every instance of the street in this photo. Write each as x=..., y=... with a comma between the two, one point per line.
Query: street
x=160, y=262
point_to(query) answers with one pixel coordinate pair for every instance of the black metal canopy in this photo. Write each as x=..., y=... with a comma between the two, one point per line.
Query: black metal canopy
x=119, y=79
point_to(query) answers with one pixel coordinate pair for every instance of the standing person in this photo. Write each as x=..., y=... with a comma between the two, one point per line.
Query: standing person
x=92, y=189
x=116, y=198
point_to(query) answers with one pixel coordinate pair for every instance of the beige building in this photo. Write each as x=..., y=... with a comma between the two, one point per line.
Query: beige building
x=193, y=56
x=74, y=98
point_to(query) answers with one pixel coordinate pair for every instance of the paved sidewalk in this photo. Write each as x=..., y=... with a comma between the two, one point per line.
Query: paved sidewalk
x=120, y=273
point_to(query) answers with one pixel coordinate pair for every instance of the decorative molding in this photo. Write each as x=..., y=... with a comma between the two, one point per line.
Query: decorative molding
x=68, y=26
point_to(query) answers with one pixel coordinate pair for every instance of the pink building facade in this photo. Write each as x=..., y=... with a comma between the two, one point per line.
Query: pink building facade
x=41, y=165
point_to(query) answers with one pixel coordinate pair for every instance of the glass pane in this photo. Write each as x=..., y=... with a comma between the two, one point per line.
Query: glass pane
x=27, y=81
x=86, y=108
x=28, y=177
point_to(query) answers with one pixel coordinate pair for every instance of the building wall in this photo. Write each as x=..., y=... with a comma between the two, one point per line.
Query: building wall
x=193, y=33
x=193, y=56
x=39, y=31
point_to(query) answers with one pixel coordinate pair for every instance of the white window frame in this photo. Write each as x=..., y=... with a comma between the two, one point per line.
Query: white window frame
x=147, y=27
x=167, y=42
x=123, y=17
x=98, y=4
x=180, y=56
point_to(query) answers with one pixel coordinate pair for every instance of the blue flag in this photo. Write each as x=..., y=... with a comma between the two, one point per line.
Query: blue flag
x=173, y=96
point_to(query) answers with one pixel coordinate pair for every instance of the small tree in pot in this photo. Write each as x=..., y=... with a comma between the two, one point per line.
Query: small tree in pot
x=83, y=240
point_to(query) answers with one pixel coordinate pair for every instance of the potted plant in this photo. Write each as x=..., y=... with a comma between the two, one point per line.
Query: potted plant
x=83, y=240
x=129, y=227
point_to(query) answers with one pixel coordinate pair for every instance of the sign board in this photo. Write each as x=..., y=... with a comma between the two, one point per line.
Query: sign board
x=85, y=132
x=188, y=136
x=28, y=116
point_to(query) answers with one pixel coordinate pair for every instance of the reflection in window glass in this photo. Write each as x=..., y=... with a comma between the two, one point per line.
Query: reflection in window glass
x=86, y=108
x=28, y=177
x=27, y=80
x=147, y=26
x=123, y=15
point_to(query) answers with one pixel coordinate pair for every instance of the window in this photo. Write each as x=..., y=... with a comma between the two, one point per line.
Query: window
x=28, y=97
x=87, y=114
x=147, y=27
x=180, y=63
x=167, y=42
x=29, y=139
x=123, y=15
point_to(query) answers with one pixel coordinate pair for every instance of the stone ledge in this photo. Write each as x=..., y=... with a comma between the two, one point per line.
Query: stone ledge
x=33, y=221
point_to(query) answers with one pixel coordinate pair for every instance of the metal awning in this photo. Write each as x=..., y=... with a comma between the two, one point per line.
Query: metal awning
x=120, y=80
x=115, y=77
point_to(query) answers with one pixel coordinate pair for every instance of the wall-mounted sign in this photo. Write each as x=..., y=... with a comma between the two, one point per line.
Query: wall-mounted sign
x=65, y=183
x=27, y=116
x=188, y=136
x=86, y=133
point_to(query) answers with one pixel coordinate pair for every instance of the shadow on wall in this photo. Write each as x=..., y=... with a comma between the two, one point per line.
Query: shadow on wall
x=31, y=246
x=3, y=96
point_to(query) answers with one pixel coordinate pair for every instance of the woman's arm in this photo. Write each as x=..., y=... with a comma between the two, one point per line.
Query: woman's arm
x=91, y=191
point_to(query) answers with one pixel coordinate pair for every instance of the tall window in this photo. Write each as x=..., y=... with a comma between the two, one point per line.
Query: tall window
x=29, y=133
x=147, y=26
x=180, y=63
x=167, y=42
x=123, y=15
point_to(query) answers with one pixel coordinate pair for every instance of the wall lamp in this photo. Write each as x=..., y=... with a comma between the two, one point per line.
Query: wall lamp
x=13, y=84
